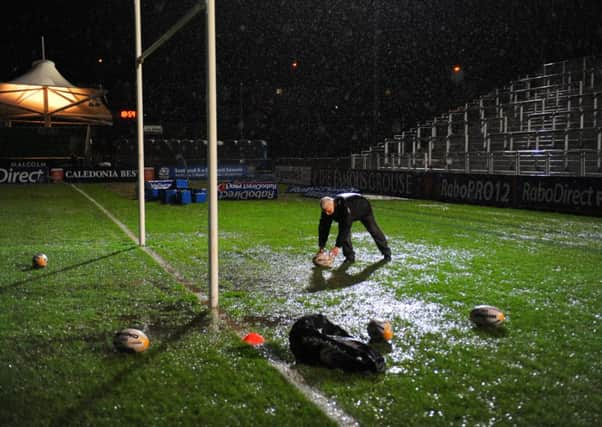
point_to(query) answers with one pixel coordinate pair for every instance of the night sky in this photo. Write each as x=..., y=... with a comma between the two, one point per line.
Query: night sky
x=312, y=77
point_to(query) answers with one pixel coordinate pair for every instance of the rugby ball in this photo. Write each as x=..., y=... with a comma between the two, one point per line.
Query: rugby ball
x=131, y=340
x=487, y=316
x=323, y=259
x=380, y=330
x=39, y=260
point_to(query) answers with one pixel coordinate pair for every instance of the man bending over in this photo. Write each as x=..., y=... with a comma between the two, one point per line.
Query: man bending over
x=345, y=208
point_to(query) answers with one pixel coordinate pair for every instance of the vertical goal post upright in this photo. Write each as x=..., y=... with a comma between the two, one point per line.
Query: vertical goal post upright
x=212, y=153
x=140, y=126
x=209, y=7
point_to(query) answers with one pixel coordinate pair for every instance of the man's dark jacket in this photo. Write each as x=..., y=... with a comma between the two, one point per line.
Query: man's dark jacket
x=347, y=209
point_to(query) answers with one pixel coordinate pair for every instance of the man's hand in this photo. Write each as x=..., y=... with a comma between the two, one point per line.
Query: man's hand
x=323, y=258
x=334, y=252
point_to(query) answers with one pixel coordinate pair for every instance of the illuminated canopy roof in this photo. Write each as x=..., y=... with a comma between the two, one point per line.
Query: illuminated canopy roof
x=43, y=95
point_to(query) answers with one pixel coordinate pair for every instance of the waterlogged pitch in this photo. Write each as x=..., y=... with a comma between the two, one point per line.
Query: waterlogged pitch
x=542, y=269
x=540, y=367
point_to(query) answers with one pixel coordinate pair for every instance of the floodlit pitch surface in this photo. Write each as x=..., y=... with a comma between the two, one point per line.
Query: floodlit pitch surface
x=58, y=366
x=543, y=269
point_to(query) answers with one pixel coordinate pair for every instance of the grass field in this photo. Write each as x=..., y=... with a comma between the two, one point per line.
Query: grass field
x=59, y=367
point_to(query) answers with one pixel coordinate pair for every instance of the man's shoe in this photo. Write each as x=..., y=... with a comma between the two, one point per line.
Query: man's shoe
x=387, y=258
x=350, y=259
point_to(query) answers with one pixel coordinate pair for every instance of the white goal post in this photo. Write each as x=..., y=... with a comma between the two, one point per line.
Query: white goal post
x=209, y=7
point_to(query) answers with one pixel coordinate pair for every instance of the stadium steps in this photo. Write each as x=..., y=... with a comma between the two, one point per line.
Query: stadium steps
x=545, y=123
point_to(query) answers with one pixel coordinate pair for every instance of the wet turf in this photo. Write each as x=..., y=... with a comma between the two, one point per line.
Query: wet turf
x=543, y=269
x=57, y=362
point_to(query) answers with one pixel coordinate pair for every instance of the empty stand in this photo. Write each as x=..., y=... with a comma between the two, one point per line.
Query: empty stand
x=547, y=123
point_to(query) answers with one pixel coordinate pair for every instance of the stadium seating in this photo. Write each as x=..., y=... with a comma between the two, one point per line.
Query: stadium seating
x=547, y=123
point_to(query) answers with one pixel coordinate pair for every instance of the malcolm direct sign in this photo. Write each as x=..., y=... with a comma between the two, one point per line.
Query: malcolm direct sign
x=28, y=172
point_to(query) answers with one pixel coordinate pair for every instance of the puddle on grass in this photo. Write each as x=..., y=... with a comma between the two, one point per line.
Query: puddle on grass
x=557, y=232
x=279, y=289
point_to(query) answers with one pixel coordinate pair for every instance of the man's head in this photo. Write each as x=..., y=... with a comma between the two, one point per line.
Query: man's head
x=327, y=205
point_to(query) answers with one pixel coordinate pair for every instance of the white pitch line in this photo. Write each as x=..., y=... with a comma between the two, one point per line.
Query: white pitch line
x=327, y=405
x=164, y=264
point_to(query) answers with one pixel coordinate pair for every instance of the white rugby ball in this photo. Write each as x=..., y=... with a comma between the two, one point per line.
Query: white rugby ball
x=487, y=316
x=323, y=259
x=131, y=340
x=39, y=260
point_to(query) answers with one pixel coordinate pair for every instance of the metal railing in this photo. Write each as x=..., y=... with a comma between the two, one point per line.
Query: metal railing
x=548, y=124
x=510, y=162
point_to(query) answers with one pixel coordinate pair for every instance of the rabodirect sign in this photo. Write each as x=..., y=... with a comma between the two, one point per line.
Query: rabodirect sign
x=582, y=195
x=247, y=191
x=561, y=194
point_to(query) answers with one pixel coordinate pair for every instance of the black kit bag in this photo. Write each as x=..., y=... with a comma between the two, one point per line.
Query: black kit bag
x=315, y=340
